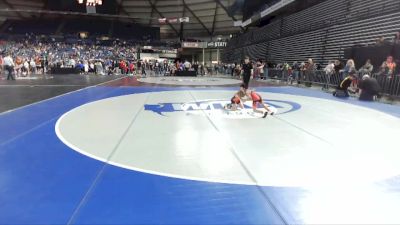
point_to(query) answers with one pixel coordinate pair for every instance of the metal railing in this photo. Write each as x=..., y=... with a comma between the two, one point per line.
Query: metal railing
x=389, y=85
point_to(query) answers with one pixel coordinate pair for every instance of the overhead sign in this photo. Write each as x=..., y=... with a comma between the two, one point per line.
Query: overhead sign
x=194, y=45
x=217, y=44
x=173, y=20
x=184, y=20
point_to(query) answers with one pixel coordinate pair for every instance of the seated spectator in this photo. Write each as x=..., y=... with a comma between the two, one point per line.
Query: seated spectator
x=367, y=68
x=350, y=68
x=388, y=67
x=369, y=88
x=330, y=68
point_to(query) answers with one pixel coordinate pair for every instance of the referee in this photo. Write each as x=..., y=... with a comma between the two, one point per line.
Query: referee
x=9, y=67
x=246, y=68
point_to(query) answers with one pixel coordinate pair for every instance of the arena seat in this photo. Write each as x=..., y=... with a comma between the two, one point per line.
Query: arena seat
x=321, y=32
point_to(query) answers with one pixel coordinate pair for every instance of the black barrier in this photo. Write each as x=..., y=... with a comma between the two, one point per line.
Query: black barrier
x=390, y=85
x=63, y=71
x=186, y=74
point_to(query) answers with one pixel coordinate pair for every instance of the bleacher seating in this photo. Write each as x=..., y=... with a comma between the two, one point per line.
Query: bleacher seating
x=325, y=13
x=321, y=32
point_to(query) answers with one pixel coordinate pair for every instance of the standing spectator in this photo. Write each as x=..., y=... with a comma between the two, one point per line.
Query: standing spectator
x=309, y=72
x=187, y=65
x=396, y=39
x=380, y=41
x=196, y=67
x=265, y=70
x=238, y=70
x=257, y=69
x=329, y=71
x=246, y=68
x=9, y=67
x=296, y=70
x=32, y=64
x=338, y=67
x=157, y=68
x=1, y=64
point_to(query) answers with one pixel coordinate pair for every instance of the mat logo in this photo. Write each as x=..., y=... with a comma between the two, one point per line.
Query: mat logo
x=216, y=108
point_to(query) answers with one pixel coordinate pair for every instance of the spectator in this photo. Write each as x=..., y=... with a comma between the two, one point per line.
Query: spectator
x=187, y=65
x=367, y=68
x=264, y=70
x=350, y=68
x=380, y=41
x=32, y=65
x=338, y=67
x=388, y=67
x=369, y=88
x=196, y=67
x=329, y=72
x=257, y=69
x=342, y=89
x=309, y=71
x=396, y=39
x=296, y=70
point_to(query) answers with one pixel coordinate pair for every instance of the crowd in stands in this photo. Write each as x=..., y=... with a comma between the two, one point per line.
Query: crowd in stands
x=31, y=57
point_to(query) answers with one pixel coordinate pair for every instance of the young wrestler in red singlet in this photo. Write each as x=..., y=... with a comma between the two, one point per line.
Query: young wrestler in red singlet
x=257, y=99
x=236, y=101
